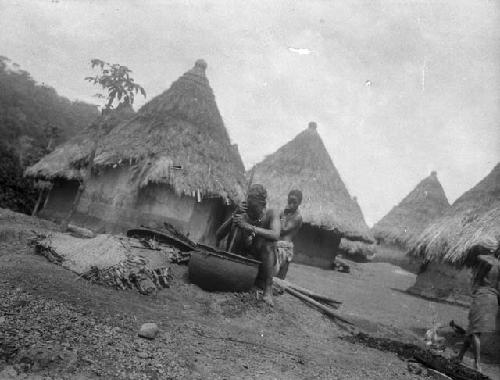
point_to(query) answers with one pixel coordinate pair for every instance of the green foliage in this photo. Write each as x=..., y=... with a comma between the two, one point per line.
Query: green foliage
x=36, y=110
x=33, y=120
x=16, y=192
x=116, y=80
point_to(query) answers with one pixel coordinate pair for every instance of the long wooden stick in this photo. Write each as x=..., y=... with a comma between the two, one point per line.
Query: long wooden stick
x=236, y=230
x=307, y=292
x=37, y=205
x=325, y=309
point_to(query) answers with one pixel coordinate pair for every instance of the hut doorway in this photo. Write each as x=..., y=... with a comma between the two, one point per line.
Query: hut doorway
x=60, y=199
x=316, y=246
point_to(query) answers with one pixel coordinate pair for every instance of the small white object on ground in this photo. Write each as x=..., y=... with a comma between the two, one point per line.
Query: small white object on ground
x=149, y=330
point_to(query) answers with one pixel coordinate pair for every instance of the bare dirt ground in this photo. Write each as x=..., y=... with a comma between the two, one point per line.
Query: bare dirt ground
x=54, y=325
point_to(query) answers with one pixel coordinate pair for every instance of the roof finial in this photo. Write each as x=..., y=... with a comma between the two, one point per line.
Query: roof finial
x=313, y=125
x=201, y=64
x=434, y=173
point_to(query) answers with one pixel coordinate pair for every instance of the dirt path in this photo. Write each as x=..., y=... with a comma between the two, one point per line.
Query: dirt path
x=379, y=289
x=55, y=325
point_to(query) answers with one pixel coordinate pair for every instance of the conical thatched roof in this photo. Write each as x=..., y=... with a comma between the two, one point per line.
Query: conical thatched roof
x=179, y=139
x=472, y=221
x=305, y=164
x=404, y=222
x=67, y=160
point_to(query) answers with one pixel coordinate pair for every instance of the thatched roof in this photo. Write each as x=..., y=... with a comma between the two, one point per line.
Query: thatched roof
x=179, y=139
x=304, y=163
x=68, y=159
x=473, y=221
x=407, y=220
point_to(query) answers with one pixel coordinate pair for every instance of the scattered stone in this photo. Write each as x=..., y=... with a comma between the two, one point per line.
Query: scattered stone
x=80, y=231
x=144, y=355
x=145, y=285
x=149, y=330
x=341, y=266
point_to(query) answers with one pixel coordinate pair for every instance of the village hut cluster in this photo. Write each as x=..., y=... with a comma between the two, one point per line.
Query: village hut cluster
x=173, y=162
x=443, y=240
x=406, y=220
x=449, y=245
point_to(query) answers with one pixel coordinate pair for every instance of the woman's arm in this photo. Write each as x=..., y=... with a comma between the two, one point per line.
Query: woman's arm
x=272, y=234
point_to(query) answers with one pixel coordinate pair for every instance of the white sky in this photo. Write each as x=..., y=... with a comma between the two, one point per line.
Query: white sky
x=398, y=88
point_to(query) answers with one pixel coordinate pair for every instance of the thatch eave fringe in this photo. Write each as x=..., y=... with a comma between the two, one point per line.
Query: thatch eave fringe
x=68, y=161
x=457, y=239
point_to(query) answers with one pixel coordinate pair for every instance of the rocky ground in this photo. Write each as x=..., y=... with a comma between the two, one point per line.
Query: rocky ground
x=55, y=325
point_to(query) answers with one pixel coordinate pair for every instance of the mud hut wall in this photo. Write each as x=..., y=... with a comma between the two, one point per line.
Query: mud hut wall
x=113, y=202
x=315, y=246
x=444, y=282
x=60, y=200
x=206, y=218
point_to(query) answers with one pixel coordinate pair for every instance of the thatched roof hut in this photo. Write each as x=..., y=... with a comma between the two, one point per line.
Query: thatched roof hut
x=171, y=162
x=179, y=139
x=424, y=204
x=328, y=210
x=68, y=160
x=304, y=163
x=471, y=224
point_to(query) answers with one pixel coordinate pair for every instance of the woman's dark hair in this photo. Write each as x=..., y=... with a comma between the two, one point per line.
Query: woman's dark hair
x=297, y=194
x=258, y=193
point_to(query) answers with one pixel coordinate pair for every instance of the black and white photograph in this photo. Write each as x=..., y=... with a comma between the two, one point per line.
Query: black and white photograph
x=248, y=189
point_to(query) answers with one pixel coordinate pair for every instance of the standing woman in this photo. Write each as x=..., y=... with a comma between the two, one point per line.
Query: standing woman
x=484, y=307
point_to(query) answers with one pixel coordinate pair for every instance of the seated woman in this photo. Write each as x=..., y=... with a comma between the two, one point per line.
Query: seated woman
x=257, y=229
x=484, y=307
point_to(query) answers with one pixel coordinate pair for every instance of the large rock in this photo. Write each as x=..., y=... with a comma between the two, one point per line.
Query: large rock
x=149, y=330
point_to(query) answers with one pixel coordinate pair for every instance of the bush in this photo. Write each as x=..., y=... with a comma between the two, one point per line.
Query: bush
x=16, y=192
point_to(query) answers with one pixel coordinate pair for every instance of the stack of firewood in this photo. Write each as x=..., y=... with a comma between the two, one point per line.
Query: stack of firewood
x=129, y=275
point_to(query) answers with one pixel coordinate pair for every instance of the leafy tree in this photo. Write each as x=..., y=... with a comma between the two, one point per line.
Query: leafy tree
x=115, y=79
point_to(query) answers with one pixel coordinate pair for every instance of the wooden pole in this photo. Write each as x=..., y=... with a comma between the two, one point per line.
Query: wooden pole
x=325, y=309
x=236, y=230
x=307, y=292
x=35, y=209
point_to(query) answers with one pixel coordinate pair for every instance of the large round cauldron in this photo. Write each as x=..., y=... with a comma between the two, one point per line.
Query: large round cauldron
x=215, y=270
